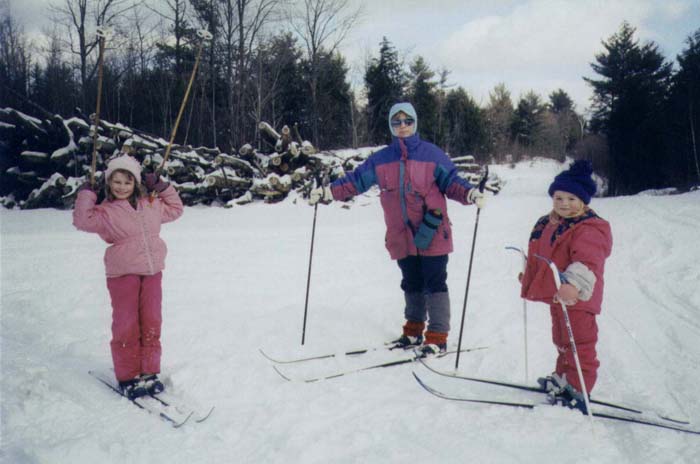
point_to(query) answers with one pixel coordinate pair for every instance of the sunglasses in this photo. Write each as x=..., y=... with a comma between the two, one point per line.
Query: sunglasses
x=408, y=122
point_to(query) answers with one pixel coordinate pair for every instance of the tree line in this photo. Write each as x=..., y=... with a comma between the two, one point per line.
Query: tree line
x=276, y=61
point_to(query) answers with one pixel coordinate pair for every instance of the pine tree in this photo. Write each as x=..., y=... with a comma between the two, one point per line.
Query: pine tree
x=560, y=102
x=527, y=119
x=627, y=103
x=423, y=94
x=334, y=96
x=281, y=94
x=684, y=116
x=465, y=126
x=567, y=123
x=499, y=118
x=385, y=82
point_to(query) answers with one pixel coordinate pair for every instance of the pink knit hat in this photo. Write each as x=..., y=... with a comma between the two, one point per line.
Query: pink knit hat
x=127, y=163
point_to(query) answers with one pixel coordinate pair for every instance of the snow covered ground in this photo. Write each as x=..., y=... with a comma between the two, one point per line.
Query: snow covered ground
x=235, y=282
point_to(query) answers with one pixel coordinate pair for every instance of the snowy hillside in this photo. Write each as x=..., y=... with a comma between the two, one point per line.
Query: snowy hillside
x=235, y=282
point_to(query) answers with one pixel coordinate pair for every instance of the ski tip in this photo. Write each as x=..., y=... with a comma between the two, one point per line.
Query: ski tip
x=281, y=374
x=265, y=355
x=420, y=382
x=206, y=416
x=177, y=425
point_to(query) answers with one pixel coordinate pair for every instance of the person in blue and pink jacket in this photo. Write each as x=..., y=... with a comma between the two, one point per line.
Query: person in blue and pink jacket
x=414, y=177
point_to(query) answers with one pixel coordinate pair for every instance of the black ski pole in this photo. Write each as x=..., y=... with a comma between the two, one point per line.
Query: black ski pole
x=319, y=182
x=481, y=186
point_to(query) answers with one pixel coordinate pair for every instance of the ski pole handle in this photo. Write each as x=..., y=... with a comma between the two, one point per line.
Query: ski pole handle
x=518, y=250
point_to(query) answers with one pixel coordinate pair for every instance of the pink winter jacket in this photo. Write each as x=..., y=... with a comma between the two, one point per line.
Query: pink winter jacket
x=586, y=239
x=133, y=234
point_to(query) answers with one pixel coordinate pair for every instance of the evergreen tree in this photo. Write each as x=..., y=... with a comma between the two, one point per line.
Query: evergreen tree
x=499, y=118
x=54, y=84
x=566, y=128
x=423, y=95
x=385, y=82
x=281, y=94
x=440, y=137
x=465, y=127
x=527, y=119
x=334, y=101
x=684, y=116
x=560, y=102
x=627, y=103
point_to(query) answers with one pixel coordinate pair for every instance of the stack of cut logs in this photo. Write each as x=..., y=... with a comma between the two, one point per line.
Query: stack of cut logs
x=44, y=161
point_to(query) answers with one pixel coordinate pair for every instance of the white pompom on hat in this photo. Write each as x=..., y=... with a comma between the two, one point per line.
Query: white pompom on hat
x=127, y=163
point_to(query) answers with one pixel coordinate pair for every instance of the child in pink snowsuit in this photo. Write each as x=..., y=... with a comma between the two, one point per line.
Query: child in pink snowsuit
x=130, y=222
x=578, y=241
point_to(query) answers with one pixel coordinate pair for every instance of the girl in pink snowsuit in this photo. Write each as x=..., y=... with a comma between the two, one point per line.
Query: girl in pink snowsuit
x=578, y=241
x=130, y=222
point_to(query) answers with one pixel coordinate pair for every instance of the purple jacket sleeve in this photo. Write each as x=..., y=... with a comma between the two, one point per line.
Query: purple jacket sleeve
x=452, y=185
x=358, y=181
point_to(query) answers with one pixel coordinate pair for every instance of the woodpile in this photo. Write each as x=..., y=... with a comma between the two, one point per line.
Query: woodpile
x=44, y=161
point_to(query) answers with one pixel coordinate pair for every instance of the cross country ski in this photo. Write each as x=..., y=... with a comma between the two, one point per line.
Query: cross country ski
x=407, y=359
x=540, y=401
x=168, y=406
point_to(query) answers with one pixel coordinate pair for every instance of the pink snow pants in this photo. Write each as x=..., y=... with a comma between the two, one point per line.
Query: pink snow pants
x=136, y=321
x=585, y=330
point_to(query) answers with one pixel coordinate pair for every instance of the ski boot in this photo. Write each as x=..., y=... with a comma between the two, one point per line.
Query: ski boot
x=572, y=399
x=435, y=344
x=132, y=388
x=559, y=391
x=152, y=383
x=431, y=349
x=552, y=383
x=405, y=342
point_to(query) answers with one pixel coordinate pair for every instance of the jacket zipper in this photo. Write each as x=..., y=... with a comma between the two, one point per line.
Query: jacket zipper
x=142, y=220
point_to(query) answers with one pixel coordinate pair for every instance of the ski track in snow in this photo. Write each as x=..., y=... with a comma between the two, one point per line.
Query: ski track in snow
x=235, y=281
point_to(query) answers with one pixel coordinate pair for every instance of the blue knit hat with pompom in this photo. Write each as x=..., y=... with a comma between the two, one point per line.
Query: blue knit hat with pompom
x=577, y=180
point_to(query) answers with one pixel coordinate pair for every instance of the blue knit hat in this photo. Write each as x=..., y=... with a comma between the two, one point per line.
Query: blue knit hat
x=406, y=108
x=577, y=180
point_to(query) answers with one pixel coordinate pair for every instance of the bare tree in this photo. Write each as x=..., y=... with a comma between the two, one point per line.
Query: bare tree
x=81, y=18
x=175, y=13
x=15, y=59
x=138, y=55
x=322, y=25
x=243, y=21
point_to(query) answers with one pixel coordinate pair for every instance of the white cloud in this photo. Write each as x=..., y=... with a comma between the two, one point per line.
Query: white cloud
x=539, y=34
x=541, y=44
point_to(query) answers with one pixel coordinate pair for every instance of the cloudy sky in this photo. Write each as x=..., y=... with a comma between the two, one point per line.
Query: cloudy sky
x=538, y=45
